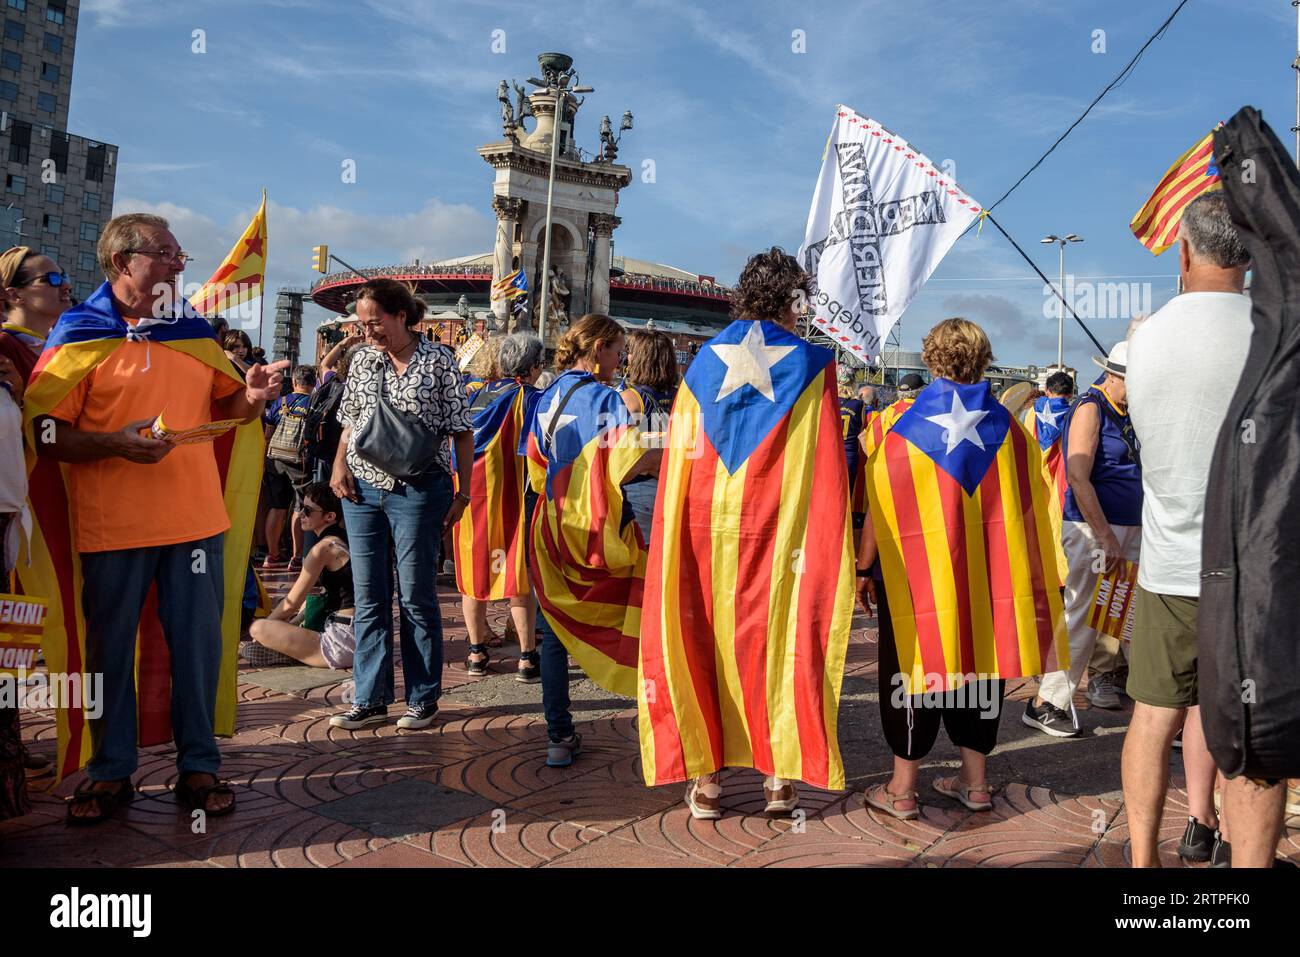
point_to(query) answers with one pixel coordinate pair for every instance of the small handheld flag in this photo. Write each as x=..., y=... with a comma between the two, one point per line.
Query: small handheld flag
x=241, y=275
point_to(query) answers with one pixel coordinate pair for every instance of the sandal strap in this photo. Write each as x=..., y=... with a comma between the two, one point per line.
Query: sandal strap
x=480, y=649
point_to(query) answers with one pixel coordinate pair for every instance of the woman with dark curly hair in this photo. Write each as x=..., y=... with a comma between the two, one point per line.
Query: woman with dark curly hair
x=750, y=564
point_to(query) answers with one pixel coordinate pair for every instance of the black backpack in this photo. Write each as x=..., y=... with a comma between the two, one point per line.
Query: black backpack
x=1248, y=641
x=321, y=426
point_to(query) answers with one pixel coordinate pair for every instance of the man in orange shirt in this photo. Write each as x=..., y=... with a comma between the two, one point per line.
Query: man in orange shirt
x=147, y=514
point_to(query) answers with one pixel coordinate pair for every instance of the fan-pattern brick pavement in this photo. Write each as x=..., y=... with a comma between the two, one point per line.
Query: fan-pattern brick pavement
x=474, y=791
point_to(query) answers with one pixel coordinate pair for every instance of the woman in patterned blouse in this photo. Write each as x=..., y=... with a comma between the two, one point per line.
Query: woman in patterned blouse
x=382, y=512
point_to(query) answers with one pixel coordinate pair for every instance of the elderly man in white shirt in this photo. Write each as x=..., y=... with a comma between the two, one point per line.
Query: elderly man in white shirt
x=1184, y=363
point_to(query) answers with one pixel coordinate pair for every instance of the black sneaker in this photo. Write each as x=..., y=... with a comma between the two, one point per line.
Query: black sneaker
x=1197, y=843
x=479, y=667
x=418, y=716
x=1049, y=719
x=359, y=717
x=529, y=672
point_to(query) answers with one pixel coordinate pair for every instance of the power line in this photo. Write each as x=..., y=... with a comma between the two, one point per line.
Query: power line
x=1123, y=74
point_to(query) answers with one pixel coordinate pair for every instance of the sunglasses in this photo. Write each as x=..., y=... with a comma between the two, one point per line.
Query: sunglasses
x=55, y=279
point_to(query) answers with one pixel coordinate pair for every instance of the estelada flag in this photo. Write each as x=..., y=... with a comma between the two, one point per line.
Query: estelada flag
x=1156, y=224
x=507, y=287
x=242, y=274
x=1044, y=421
x=588, y=566
x=488, y=541
x=84, y=337
x=959, y=506
x=749, y=586
x=879, y=424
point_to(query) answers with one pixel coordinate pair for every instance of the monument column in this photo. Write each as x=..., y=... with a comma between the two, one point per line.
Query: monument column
x=603, y=224
x=508, y=210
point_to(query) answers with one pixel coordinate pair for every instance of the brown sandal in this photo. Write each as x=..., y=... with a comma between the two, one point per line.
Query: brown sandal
x=105, y=802
x=196, y=798
x=887, y=803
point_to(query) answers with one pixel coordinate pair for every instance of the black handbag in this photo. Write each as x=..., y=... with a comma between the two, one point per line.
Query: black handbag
x=398, y=442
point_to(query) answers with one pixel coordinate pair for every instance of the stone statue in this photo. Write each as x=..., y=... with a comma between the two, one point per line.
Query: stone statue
x=560, y=295
x=524, y=107
x=508, y=125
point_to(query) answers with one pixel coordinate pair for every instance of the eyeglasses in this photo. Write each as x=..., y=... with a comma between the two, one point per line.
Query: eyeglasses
x=309, y=509
x=55, y=279
x=180, y=256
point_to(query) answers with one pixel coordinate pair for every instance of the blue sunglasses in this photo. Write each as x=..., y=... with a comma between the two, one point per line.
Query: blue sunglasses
x=55, y=279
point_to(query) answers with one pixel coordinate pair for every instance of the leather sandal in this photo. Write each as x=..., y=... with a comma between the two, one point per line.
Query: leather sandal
x=882, y=799
x=196, y=798
x=105, y=802
x=958, y=790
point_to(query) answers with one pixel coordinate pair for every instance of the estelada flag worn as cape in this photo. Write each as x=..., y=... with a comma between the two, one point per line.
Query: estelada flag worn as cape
x=1044, y=420
x=488, y=541
x=879, y=424
x=588, y=566
x=84, y=337
x=959, y=507
x=749, y=585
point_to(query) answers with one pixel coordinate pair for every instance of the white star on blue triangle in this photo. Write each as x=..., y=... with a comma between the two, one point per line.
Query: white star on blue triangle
x=959, y=427
x=746, y=379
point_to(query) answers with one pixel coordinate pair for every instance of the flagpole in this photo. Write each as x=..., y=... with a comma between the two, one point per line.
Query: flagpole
x=261, y=305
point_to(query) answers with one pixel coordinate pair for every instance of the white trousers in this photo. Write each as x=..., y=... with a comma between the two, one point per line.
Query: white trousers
x=1086, y=645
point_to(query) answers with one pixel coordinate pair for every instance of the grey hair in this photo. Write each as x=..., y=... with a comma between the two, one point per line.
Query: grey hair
x=1209, y=232
x=520, y=351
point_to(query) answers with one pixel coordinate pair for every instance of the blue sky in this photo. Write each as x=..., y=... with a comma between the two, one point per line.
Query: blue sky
x=732, y=117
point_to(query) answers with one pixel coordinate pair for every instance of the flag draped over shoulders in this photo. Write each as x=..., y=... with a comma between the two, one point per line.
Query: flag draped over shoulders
x=83, y=338
x=588, y=565
x=1044, y=421
x=488, y=541
x=879, y=424
x=959, y=506
x=749, y=583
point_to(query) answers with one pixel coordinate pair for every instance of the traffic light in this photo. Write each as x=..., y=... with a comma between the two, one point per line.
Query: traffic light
x=320, y=258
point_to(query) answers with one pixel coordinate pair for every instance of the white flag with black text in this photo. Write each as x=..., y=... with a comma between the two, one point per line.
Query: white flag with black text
x=882, y=218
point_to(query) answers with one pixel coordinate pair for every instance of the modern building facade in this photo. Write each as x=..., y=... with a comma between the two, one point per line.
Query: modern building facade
x=58, y=187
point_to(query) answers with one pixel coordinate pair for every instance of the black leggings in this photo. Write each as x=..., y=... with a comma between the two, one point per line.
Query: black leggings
x=970, y=723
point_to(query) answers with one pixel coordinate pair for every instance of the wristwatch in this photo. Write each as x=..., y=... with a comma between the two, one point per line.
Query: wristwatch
x=463, y=497
x=863, y=572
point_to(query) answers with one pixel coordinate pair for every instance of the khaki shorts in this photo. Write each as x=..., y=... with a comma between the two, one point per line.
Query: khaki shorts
x=1162, y=654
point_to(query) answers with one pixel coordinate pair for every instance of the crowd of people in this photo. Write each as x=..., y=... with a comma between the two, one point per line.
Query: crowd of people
x=387, y=465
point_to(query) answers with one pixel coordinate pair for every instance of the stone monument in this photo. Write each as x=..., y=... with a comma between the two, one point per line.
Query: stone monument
x=583, y=203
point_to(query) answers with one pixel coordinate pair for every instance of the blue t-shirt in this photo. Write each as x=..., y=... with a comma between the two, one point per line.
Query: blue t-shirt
x=1116, y=477
x=294, y=400
x=852, y=412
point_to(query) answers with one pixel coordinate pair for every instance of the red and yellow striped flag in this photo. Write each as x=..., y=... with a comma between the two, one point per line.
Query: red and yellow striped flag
x=1156, y=224
x=879, y=424
x=241, y=275
x=959, y=506
x=749, y=581
x=488, y=541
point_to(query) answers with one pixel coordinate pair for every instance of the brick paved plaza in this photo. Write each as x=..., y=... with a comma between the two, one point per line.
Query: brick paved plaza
x=473, y=789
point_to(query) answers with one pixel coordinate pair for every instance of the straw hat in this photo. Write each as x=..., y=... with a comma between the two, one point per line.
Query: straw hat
x=1117, y=362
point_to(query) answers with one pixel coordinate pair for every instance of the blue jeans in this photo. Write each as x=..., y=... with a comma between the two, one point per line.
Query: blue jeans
x=555, y=681
x=640, y=498
x=113, y=594
x=407, y=520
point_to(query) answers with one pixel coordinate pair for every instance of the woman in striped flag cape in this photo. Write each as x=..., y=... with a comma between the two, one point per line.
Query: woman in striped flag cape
x=966, y=579
x=489, y=540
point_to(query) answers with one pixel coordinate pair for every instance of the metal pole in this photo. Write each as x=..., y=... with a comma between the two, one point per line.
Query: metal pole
x=560, y=97
x=1296, y=65
x=1060, y=316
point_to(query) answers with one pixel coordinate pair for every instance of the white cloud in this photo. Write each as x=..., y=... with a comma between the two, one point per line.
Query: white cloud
x=436, y=230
